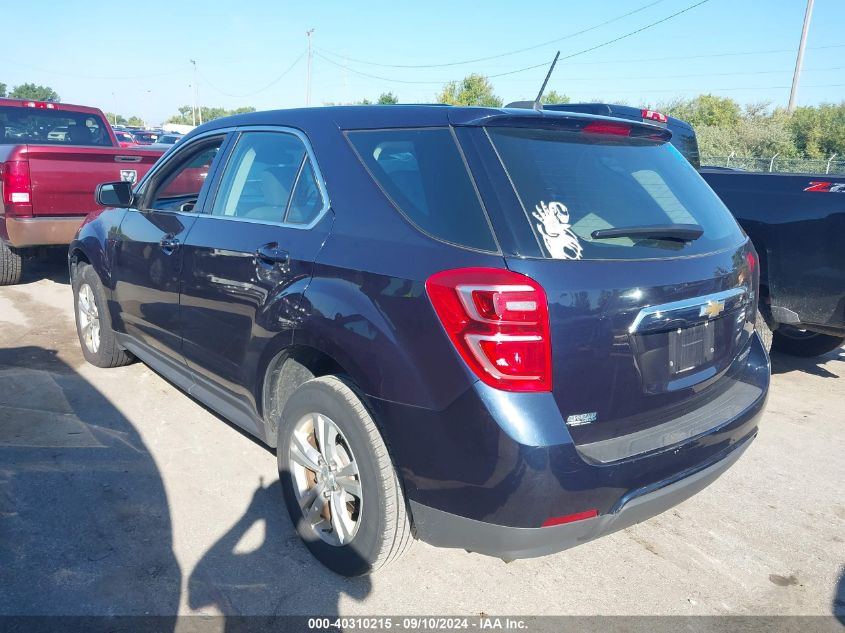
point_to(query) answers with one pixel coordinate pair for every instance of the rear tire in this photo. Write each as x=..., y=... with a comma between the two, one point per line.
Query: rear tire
x=790, y=340
x=11, y=265
x=371, y=528
x=93, y=324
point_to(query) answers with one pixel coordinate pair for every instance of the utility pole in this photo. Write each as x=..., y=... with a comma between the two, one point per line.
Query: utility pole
x=197, y=106
x=193, y=107
x=808, y=14
x=308, y=33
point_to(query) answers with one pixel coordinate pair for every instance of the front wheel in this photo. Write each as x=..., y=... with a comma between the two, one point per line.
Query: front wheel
x=93, y=325
x=339, y=483
x=791, y=340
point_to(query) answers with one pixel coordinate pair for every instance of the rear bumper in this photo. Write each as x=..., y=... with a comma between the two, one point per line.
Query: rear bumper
x=46, y=231
x=443, y=529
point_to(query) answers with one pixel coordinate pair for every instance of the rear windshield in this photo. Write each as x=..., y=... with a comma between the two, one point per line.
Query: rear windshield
x=424, y=175
x=21, y=126
x=572, y=184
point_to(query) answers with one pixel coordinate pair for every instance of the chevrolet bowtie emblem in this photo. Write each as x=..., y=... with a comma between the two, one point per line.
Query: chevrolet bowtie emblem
x=712, y=309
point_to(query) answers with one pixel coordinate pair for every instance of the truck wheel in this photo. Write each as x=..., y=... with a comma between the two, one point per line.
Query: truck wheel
x=339, y=483
x=790, y=340
x=11, y=265
x=763, y=330
x=93, y=324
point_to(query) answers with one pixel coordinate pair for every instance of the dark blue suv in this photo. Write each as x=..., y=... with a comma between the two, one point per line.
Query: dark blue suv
x=502, y=330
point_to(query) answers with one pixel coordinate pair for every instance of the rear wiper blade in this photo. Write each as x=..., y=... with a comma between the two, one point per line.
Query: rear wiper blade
x=679, y=232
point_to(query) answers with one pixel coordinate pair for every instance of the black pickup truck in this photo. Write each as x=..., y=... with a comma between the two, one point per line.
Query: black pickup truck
x=797, y=225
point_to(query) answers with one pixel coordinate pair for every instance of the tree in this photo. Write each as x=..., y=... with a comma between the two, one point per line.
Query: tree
x=34, y=92
x=185, y=116
x=704, y=110
x=135, y=121
x=387, y=98
x=2, y=89
x=553, y=96
x=820, y=131
x=472, y=90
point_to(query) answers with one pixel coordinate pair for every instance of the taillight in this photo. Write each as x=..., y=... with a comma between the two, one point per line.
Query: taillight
x=17, y=190
x=607, y=127
x=751, y=260
x=651, y=115
x=498, y=321
x=42, y=105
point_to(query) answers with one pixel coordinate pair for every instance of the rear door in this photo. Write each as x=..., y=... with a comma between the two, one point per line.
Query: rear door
x=249, y=258
x=644, y=329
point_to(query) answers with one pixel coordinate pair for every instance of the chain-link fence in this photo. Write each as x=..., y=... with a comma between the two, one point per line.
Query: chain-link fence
x=777, y=164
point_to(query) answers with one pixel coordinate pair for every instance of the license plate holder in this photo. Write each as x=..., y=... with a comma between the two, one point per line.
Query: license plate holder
x=691, y=348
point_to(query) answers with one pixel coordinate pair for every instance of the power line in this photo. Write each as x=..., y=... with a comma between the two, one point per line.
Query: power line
x=500, y=55
x=733, y=88
x=708, y=56
x=267, y=87
x=521, y=70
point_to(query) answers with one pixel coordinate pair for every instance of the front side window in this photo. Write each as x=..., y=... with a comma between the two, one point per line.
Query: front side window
x=180, y=183
x=424, y=176
x=576, y=189
x=269, y=177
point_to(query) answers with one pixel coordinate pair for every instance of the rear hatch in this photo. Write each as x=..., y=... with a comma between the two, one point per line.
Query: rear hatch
x=649, y=324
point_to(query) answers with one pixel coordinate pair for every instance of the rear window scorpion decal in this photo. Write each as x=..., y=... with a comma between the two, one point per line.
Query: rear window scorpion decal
x=554, y=226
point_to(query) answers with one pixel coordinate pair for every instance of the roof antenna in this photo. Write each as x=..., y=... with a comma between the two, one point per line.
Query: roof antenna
x=538, y=103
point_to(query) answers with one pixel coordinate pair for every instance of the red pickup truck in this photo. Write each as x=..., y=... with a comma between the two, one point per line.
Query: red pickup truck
x=52, y=157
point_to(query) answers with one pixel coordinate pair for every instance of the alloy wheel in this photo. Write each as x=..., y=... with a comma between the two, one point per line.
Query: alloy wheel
x=326, y=479
x=89, y=318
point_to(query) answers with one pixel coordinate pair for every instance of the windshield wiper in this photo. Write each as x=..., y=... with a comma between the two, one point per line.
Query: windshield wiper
x=679, y=232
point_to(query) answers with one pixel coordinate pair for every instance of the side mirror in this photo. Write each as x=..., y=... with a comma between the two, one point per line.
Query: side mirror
x=114, y=194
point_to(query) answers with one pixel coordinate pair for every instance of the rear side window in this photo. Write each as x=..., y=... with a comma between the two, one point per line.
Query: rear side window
x=44, y=126
x=270, y=178
x=573, y=184
x=424, y=175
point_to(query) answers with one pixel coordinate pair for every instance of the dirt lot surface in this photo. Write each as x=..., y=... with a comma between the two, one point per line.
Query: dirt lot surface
x=121, y=495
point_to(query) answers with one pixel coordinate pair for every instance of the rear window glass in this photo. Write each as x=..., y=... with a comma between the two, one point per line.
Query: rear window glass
x=21, y=126
x=572, y=184
x=423, y=174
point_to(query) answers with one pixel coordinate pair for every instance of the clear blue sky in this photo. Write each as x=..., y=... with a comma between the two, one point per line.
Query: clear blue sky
x=135, y=56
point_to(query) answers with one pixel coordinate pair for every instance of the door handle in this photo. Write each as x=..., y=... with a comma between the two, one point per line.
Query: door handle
x=272, y=254
x=169, y=243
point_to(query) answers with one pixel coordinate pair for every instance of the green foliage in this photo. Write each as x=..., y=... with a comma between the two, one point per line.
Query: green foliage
x=472, y=90
x=387, y=98
x=135, y=121
x=820, y=131
x=34, y=92
x=2, y=89
x=704, y=110
x=185, y=116
x=553, y=96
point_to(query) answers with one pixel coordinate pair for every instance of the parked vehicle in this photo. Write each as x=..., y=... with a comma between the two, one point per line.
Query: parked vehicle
x=165, y=142
x=796, y=222
x=499, y=330
x=125, y=139
x=52, y=156
x=145, y=137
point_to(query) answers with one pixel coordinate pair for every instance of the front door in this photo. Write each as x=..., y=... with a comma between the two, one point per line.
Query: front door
x=248, y=259
x=148, y=249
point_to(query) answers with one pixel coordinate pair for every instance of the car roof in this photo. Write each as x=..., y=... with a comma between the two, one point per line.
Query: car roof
x=393, y=116
x=54, y=105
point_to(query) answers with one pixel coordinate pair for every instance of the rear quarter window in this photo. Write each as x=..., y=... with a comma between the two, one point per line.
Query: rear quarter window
x=572, y=184
x=423, y=174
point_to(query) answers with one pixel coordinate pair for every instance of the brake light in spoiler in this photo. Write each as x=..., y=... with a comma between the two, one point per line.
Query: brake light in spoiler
x=651, y=115
x=42, y=105
x=607, y=127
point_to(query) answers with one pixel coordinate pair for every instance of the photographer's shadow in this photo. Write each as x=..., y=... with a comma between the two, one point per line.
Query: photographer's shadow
x=271, y=574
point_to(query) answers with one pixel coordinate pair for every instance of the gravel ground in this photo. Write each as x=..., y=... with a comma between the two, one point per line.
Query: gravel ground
x=121, y=495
